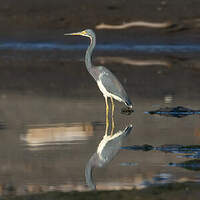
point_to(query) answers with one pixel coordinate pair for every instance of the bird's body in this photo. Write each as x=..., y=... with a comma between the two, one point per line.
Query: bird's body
x=107, y=82
x=110, y=86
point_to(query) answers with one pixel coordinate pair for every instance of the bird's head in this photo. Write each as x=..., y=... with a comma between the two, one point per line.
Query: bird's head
x=87, y=33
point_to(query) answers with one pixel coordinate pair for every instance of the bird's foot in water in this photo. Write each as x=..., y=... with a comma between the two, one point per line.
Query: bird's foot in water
x=127, y=111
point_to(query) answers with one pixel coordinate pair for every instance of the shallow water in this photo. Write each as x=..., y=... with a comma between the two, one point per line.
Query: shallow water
x=52, y=117
x=151, y=48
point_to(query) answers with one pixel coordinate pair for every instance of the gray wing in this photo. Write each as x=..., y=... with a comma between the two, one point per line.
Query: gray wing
x=111, y=83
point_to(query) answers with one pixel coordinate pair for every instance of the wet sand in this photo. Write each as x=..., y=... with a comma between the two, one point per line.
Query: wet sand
x=24, y=72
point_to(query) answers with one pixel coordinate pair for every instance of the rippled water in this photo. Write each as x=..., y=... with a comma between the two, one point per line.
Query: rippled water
x=52, y=119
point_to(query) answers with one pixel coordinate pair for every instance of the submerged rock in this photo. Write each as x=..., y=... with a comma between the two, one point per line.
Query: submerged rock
x=178, y=111
x=190, y=165
x=145, y=147
x=127, y=111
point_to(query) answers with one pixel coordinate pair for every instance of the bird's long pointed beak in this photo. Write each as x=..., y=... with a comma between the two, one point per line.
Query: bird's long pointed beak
x=73, y=33
x=77, y=33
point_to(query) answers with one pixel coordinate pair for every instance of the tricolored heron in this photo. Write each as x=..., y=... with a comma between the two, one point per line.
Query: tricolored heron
x=107, y=82
x=106, y=151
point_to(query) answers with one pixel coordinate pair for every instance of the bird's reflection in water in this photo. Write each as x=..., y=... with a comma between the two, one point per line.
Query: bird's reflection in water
x=106, y=151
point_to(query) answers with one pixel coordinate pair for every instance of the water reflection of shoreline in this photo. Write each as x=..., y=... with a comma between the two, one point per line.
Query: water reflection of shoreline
x=170, y=26
x=147, y=24
x=136, y=62
x=168, y=61
x=56, y=134
x=139, y=182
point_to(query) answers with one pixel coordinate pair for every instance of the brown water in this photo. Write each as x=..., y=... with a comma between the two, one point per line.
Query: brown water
x=52, y=119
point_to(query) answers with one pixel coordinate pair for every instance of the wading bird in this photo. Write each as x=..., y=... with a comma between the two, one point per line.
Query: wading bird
x=107, y=82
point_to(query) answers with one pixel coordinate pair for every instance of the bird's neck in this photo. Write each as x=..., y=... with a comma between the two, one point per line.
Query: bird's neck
x=88, y=55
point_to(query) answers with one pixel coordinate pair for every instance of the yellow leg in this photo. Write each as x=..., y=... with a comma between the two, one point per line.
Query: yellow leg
x=113, y=108
x=107, y=122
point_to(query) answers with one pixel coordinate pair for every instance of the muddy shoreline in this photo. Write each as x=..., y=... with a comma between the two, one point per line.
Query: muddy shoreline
x=179, y=191
x=48, y=14
x=48, y=20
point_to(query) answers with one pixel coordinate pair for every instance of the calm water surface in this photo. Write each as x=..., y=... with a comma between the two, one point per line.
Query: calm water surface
x=52, y=119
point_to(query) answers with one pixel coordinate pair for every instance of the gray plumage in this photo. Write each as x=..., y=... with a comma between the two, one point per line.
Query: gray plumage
x=112, y=85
